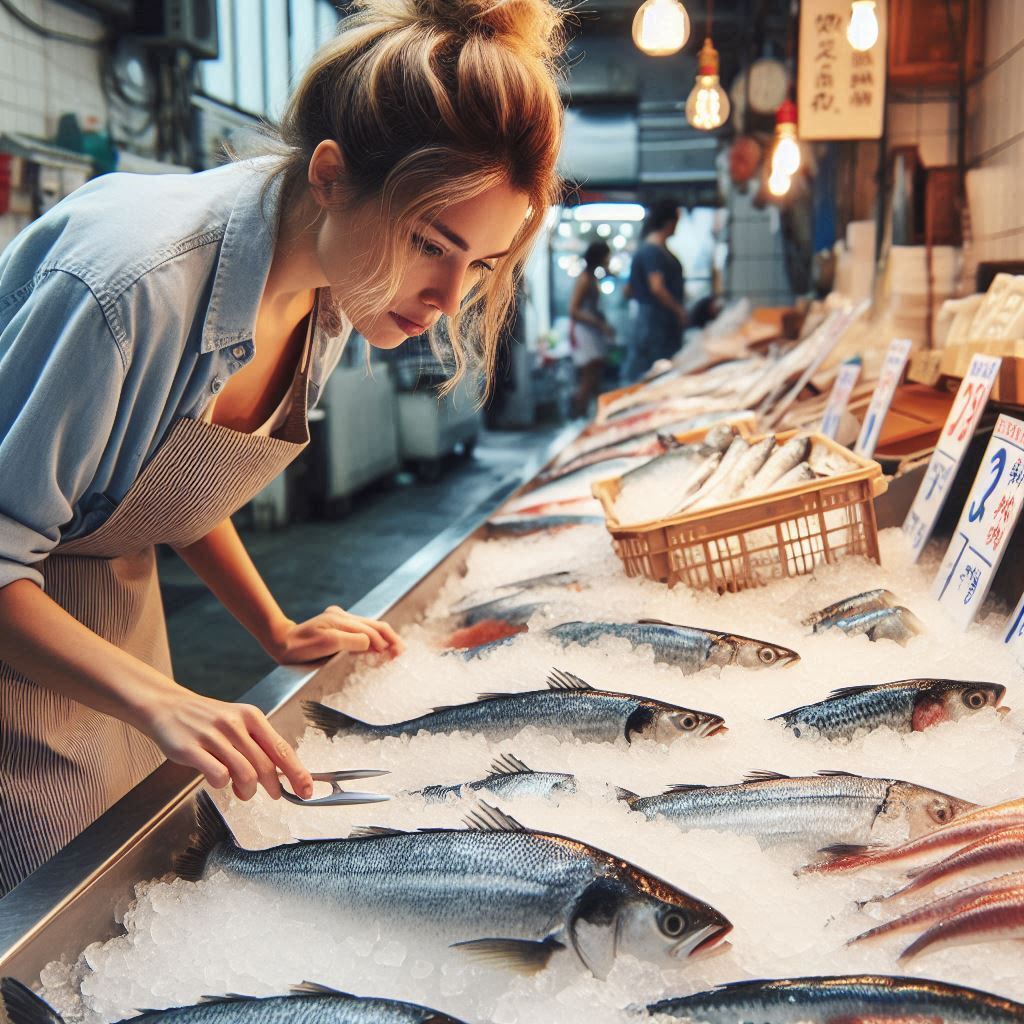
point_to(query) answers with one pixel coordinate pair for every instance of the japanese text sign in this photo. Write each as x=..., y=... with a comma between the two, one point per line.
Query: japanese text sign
x=892, y=373
x=840, y=91
x=846, y=381
x=956, y=435
x=986, y=523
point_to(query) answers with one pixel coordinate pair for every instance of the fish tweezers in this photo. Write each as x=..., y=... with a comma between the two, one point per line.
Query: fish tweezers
x=338, y=797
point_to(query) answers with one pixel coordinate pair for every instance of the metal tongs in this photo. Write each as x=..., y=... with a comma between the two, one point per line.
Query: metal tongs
x=338, y=797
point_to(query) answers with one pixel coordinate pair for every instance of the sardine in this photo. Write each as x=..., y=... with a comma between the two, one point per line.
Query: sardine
x=522, y=525
x=514, y=609
x=497, y=890
x=779, y=463
x=308, y=1004
x=722, y=474
x=869, y=600
x=830, y=807
x=899, y=624
x=515, y=588
x=994, y=917
x=747, y=467
x=569, y=707
x=799, y=474
x=826, y=1000
x=508, y=777
x=908, y=705
x=923, y=917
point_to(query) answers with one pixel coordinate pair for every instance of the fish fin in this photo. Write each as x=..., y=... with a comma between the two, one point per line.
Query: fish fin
x=625, y=795
x=369, y=831
x=852, y=849
x=314, y=988
x=226, y=997
x=210, y=832
x=659, y=622
x=851, y=691
x=480, y=698
x=328, y=720
x=559, y=679
x=838, y=772
x=594, y=937
x=683, y=787
x=487, y=818
x=23, y=1006
x=764, y=775
x=509, y=764
x=520, y=955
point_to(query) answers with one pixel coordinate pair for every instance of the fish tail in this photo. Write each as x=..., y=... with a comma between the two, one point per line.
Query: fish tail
x=331, y=722
x=211, y=831
x=23, y=1006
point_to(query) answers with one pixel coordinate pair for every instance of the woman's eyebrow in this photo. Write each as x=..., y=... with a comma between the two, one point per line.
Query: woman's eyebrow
x=460, y=242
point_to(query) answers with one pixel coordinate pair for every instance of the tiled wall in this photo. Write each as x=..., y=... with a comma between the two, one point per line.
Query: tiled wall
x=756, y=268
x=925, y=118
x=995, y=143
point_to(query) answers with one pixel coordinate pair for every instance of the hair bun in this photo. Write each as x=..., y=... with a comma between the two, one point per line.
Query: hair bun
x=531, y=25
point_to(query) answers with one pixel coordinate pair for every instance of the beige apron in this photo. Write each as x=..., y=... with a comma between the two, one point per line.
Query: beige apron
x=63, y=764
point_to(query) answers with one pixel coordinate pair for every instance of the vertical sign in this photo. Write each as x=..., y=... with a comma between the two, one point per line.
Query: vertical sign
x=1015, y=630
x=892, y=373
x=985, y=526
x=956, y=435
x=846, y=381
x=840, y=91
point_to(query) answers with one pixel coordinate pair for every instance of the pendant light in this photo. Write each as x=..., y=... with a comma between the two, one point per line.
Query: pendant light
x=786, y=154
x=661, y=27
x=862, y=32
x=707, y=106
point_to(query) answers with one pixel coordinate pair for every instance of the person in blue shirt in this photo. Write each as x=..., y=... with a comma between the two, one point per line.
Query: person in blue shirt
x=657, y=288
x=161, y=341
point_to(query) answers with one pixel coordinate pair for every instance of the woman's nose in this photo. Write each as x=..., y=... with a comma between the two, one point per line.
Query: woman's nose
x=446, y=294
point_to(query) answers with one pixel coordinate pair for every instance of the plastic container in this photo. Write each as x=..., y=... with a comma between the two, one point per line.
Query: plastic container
x=753, y=541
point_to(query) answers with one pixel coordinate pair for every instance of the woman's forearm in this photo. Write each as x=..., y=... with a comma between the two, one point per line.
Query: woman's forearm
x=220, y=560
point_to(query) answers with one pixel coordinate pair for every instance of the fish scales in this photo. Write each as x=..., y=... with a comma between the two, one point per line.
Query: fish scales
x=543, y=784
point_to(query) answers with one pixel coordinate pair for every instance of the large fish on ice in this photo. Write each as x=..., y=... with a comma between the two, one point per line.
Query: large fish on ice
x=569, y=707
x=499, y=891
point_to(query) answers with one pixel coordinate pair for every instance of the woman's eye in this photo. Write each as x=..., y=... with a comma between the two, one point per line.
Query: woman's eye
x=426, y=247
x=484, y=266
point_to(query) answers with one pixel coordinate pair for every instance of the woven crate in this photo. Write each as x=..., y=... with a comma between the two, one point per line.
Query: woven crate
x=753, y=541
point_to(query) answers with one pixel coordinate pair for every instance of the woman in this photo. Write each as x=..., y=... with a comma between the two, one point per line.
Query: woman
x=161, y=340
x=589, y=332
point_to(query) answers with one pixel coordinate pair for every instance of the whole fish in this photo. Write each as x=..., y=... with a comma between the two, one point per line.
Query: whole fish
x=508, y=777
x=568, y=707
x=747, y=467
x=934, y=911
x=497, y=890
x=564, y=578
x=522, y=525
x=308, y=1004
x=827, y=1000
x=994, y=917
x=830, y=807
x=907, y=705
x=799, y=474
x=722, y=475
x=653, y=443
x=899, y=624
x=783, y=459
x=869, y=600
x=514, y=609
x=964, y=830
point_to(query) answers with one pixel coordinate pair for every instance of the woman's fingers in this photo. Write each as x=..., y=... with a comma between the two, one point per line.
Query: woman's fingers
x=388, y=633
x=216, y=775
x=284, y=758
x=243, y=775
x=352, y=624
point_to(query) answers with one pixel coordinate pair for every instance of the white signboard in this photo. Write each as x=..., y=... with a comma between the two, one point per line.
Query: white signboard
x=985, y=526
x=846, y=381
x=840, y=91
x=956, y=435
x=1015, y=630
x=892, y=373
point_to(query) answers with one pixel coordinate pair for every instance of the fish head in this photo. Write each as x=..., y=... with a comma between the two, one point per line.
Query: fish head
x=731, y=649
x=951, y=699
x=665, y=724
x=920, y=810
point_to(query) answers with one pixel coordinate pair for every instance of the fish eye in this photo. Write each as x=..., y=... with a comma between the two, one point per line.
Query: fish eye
x=767, y=655
x=672, y=924
x=941, y=812
x=688, y=722
x=975, y=699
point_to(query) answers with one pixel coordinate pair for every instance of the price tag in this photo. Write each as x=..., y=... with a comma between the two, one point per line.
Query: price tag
x=1015, y=631
x=969, y=404
x=892, y=371
x=985, y=526
x=846, y=380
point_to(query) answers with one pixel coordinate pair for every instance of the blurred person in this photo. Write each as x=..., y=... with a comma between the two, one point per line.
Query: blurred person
x=589, y=330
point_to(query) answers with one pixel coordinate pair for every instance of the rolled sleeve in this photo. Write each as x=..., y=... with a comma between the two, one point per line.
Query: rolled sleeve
x=61, y=375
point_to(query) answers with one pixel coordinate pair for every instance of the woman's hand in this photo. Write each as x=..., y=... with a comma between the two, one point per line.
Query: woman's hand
x=226, y=742
x=333, y=630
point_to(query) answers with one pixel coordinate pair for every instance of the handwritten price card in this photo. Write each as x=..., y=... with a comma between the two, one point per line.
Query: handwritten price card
x=956, y=435
x=986, y=523
x=846, y=381
x=892, y=372
x=1015, y=631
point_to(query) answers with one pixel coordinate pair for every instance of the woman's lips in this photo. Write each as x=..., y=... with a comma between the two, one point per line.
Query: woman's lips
x=409, y=327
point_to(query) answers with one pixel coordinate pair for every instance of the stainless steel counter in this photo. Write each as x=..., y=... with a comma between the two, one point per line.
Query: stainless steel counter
x=79, y=896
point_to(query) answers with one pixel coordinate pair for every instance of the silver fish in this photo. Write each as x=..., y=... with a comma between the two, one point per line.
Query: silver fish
x=522, y=525
x=570, y=707
x=747, y=467
x=825, y=1000
x=723, y=471
x=513, y=609
x=869, y=600
x=497, y=890
x=688, y=648
x=800, y=474
x=898, y=624
x=307, y=1004
x=564, y=578
x=508, y=777
x=778, y=464
x=908, y=705
x=815, y=810
x=825, y=462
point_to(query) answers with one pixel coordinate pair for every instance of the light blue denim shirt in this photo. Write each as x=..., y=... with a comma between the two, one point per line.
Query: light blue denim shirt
x=124, y=308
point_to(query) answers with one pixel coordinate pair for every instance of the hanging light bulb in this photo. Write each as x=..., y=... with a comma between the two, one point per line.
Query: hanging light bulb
x=786, y=155
x=708, y=105
x=661, y=27
x=862, y=32
x=778, y=183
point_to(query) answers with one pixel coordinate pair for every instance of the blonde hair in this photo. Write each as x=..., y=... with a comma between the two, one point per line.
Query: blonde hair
x=433, y=102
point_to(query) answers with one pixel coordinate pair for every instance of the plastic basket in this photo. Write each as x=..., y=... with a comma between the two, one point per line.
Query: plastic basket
x=751, y=542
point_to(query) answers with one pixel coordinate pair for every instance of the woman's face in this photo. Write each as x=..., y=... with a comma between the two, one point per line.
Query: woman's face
x=449, y=258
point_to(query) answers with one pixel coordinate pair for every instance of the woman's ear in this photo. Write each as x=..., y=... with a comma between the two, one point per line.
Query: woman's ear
x=326, y=167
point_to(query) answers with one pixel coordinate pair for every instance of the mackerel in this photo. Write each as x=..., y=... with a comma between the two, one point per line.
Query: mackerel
x=869, y=600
